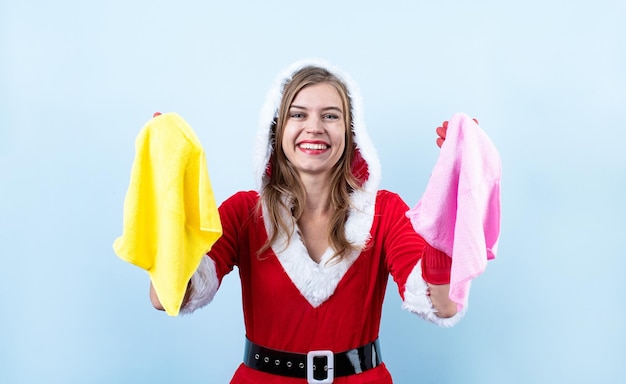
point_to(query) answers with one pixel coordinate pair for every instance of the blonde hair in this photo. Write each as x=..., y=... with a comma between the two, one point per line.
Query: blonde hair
x=284, y=190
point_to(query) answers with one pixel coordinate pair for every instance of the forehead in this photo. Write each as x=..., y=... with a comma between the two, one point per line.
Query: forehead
x=318, y=95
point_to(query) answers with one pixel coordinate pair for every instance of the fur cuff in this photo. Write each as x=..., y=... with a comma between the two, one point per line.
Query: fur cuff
x=204, y=285
x=416, y=300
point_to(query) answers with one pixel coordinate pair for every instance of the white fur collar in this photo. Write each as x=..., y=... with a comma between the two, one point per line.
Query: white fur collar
x=317, y=282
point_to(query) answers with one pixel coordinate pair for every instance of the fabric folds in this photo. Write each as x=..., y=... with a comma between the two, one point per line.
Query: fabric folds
x=170, y=215
x=459, y=212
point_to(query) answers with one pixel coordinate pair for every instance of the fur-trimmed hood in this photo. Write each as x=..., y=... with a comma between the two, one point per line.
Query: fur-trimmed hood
x=269, y=114
x=317, y=282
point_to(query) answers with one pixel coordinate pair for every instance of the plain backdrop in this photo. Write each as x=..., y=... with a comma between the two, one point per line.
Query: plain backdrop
x=79, y=79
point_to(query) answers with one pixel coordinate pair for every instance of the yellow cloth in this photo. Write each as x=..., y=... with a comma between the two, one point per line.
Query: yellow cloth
x=170, y=216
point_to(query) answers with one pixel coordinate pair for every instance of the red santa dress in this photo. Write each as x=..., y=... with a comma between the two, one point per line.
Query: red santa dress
x=292, y=303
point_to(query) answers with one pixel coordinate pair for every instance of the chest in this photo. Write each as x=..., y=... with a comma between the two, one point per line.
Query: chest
x=314, y=236
x=304, y=255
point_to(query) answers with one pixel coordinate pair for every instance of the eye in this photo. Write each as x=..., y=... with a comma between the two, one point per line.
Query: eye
x=296, y=115
x=330, y=116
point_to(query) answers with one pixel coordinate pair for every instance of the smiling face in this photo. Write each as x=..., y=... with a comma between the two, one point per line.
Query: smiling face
x=314, y=136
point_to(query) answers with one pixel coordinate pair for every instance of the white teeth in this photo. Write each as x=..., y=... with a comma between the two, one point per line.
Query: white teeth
x=313, y=146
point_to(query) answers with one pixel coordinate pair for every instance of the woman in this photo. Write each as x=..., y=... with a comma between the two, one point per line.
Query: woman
x=316, y=242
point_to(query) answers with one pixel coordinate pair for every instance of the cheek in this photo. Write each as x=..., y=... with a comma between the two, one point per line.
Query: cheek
x=286, y=138
x=340, y=139
x=290, y=129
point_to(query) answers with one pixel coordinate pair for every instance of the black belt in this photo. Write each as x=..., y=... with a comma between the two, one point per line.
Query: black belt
x=316, y=366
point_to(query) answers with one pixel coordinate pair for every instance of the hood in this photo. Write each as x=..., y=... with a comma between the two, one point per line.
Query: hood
x=366, y=166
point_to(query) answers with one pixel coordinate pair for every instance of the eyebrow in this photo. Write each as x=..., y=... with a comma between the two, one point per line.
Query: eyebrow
x=323, y=109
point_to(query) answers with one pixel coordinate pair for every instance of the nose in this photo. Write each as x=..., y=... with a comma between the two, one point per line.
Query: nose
x=314, y=125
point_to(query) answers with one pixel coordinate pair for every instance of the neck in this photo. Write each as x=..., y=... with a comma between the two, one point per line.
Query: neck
x=317, y=194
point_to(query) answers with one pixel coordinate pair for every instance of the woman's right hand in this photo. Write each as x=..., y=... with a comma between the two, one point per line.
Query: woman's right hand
x=154, y=299
x=156, y=303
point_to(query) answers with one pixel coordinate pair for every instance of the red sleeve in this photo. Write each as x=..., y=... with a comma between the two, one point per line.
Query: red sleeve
x=436, y=266
x=235, y=215
x=404, y=247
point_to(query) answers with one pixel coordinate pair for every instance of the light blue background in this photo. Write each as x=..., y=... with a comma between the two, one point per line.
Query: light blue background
x=78, y=79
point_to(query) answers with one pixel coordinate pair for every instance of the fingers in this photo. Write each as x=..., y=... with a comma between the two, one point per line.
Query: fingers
x=156, y=114
x=441, y=132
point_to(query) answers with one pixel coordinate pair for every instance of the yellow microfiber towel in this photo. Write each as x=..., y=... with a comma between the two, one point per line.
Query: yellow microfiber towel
x=170, y=215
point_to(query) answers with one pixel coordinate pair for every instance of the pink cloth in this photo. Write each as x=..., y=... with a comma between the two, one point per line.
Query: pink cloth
x=459, y=212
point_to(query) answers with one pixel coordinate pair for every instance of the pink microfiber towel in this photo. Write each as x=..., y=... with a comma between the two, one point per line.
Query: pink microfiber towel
x=459, y=212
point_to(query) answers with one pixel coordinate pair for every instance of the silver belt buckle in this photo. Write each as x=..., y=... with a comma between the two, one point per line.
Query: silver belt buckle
x=330, y=365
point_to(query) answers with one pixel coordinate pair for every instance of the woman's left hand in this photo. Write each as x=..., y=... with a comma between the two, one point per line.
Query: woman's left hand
x=441, y=132
x=439, y=297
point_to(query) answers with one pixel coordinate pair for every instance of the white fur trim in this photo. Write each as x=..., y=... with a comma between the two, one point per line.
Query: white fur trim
x=416, y=300
x=204, y=285
x=268, y=114
x=317, y=282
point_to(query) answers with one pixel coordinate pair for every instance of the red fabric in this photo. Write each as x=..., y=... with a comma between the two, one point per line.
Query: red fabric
x=436, y=266
x=359, y=167
x=246, y=375
x=276, y=315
